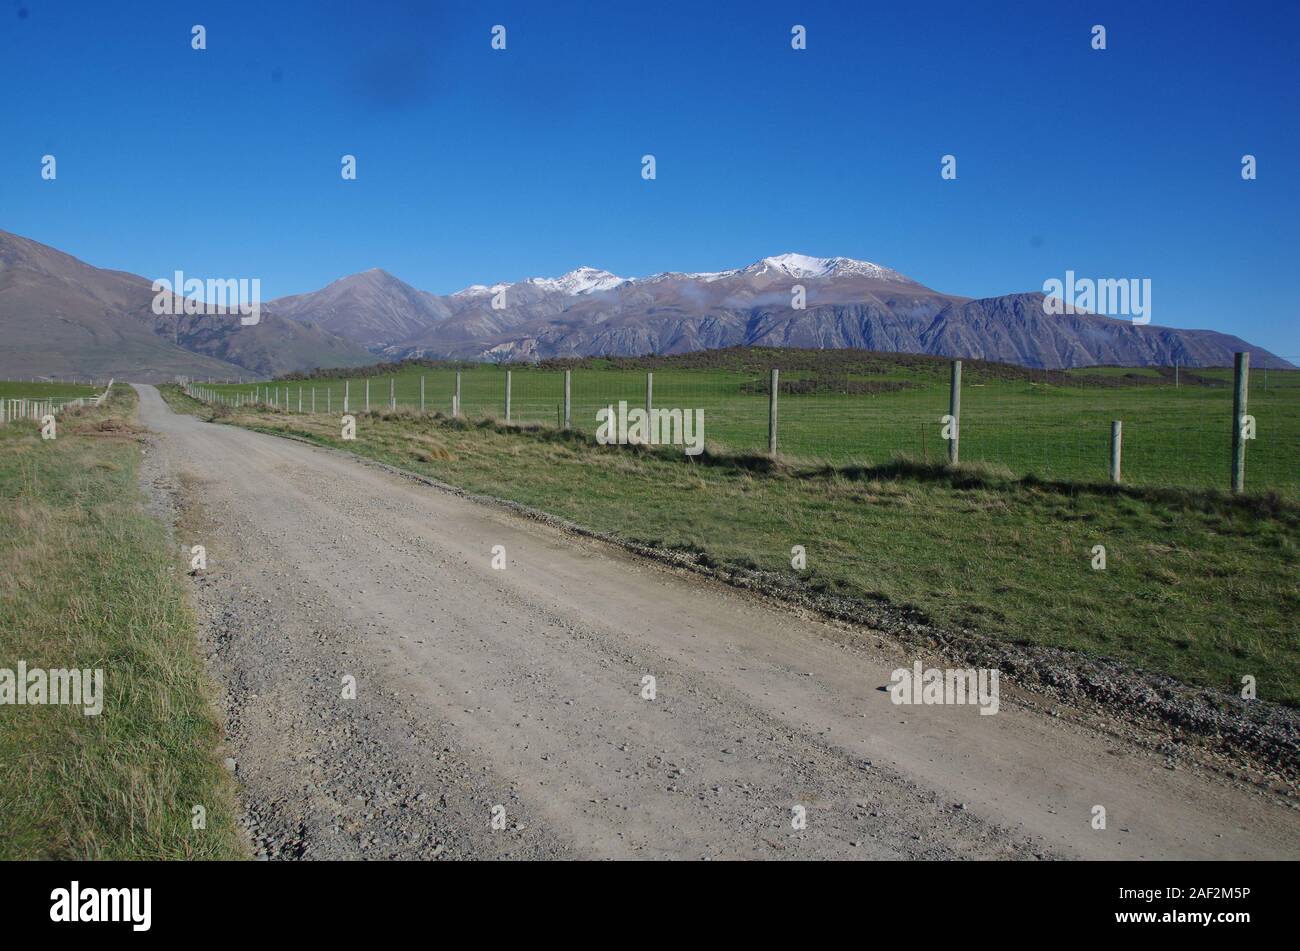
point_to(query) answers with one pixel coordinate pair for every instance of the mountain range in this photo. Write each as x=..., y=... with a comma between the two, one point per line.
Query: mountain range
x=61, y=316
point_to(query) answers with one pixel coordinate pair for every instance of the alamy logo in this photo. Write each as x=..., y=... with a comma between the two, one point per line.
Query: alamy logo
x=103, y=904
x=37, y=687
x=1113, y=297
x=655, y=427
x=920, y=686
x=216, y=297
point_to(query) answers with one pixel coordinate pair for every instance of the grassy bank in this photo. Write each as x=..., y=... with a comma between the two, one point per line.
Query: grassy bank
x=88, y=580
x=1198, y=585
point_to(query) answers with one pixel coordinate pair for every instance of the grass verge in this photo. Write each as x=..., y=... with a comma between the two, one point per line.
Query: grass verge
x=88, y=580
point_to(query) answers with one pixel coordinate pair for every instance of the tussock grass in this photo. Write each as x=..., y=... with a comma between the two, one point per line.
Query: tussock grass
x=87, y=580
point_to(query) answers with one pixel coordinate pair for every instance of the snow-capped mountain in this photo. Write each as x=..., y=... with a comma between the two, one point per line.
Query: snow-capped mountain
x=845, y=303
x=583, y=280
x=58, y=314
x=586, y=280
x=804, y=267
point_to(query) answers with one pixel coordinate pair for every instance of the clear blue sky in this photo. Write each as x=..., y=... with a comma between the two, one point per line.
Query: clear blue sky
x=477, y=166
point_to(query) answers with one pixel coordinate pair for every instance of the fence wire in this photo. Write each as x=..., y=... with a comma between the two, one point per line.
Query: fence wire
x=1176, y=423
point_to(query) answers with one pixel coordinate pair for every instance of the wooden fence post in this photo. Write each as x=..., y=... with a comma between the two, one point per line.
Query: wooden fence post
x=421, y=394
x=649, y=390
x=775, y=386
x=392, y=392
x=1116, y=441
x=346, y=387
x=954, y=410
x=568, y=406
x=507, y=396
x=1240, y=376
x=455, y=406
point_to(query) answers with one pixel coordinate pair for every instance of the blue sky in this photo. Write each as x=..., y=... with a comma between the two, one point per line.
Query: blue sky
x=477, y=166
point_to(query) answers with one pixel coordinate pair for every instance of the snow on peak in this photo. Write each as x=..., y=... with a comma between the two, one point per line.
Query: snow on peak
x=587, y=280
x=796, y=265
x=583, y=280
x=479, y=290
x=802, y=265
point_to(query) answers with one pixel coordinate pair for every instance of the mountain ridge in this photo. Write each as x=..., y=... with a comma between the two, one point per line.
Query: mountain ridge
x=848, y=304
x=61, y=315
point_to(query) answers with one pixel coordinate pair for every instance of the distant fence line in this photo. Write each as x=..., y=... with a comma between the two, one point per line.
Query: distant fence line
x=15, y=408
x=1202, y=442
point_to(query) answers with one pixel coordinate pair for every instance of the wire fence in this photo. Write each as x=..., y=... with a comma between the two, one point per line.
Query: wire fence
x=37, y=407
x=1177, y=424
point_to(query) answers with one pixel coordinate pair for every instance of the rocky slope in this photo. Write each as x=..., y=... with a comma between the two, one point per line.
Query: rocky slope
x=61, y=316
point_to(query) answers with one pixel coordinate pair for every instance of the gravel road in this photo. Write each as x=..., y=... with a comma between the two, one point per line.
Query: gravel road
x=522, y=688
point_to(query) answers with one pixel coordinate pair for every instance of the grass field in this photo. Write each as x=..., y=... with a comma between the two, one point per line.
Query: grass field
x=1198, y=584
x=88, y=580
x=868, y=408
x=16, y=389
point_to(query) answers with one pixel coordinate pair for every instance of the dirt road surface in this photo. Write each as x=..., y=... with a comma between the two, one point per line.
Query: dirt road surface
x=522, y=688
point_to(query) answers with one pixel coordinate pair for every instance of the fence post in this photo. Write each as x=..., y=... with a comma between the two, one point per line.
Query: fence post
x=455, y=407
x=954, y=410
x=367, y=394
x=649, y=390
x=1116, y=442
x=771, y=411
x=1240, y=375
x=392, y=392
x=313, y=401
x=421, y=394
x=568, y=406
x=507, y=396
x=300, y=397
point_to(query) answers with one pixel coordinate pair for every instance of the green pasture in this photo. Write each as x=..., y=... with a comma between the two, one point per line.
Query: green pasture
x=1055, y=426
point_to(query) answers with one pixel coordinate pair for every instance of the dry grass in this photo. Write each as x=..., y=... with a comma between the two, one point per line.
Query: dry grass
x=88, y=581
